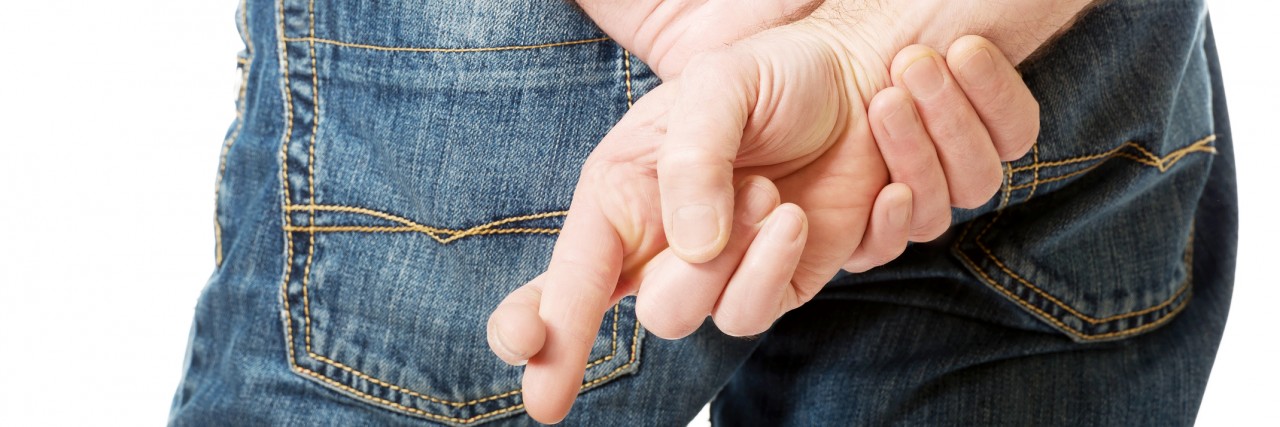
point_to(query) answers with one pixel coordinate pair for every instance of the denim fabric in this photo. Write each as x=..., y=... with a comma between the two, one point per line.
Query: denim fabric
x=398, y=167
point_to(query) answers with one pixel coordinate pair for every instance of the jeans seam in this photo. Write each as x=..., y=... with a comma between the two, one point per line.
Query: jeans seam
x=313, y=40
x=439, y=234
x=245, y=64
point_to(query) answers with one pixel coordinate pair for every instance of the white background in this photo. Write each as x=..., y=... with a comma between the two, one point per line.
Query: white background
x=111, y=120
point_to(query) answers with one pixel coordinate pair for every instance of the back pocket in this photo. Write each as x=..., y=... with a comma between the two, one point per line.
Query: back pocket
x=1093, y=229
x=423, y=183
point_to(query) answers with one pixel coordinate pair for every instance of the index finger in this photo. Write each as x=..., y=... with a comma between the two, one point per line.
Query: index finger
x=578, y=284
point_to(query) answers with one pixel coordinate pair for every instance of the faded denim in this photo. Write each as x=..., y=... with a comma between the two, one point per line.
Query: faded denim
x=397, y=167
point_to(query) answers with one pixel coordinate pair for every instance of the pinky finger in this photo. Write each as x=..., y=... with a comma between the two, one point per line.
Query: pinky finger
x=887, y=233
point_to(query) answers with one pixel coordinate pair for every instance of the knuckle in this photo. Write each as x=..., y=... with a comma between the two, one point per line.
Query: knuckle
x=592, y=276
x=664, y=328
x=918, y=168
x=908, y=55
x=935, y=223
x=806, y=288
x=1025, y=135
x=883, y=252
x=1014, y=122
x=888, y=100
x=680, y=158
x=735, y=326
x=740, y=322
x=855, y=265
x=661, y=320
x=977, y=193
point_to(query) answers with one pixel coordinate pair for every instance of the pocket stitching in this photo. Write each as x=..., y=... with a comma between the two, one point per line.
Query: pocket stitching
x=313, y=40
x=289, y=230
x=1160, y=163
x=1184, y=289
x=455, y=404
x=1163, y=164
x=977, y=240
x=634, y=342
x=409, y=225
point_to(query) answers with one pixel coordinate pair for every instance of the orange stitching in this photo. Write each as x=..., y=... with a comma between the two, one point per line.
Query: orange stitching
x=635, y=340
x=1064, y=327
x=1035, y=177
x=408, y=391
x=1060, y=177
x=420, y=412
x=1008, y=183
x=626, y=66
x=315, y=113
x=436, y=233
x=1055, y=163
x=288, y=111
x=454, y=235
x=610, y=375
x=378, y=229
x=978, y=240
x=478, y=230
x=613, y=342
x=365, y=211
x=1162, y=164
x=306, y=301
x=442, y=49
x=226, y=145
x=284, y=179
x=311, y=180
x=457, y=404
x=1107, y=153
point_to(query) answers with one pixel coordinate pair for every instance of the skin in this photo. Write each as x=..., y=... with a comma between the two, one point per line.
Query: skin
x=814, y=143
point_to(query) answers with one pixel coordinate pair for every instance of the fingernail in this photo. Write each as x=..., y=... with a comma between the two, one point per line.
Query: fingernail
x=694, y=227
x=923, y=77
x=978, y=70
x=783, y=225
x=901, y=123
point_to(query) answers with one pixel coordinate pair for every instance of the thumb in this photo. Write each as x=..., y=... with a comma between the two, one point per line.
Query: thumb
x=695, y=165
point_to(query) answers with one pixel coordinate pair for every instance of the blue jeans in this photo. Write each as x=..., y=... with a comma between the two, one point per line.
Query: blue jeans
x=398, y=167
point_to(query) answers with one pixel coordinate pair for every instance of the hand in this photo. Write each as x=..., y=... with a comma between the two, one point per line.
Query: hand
x=731, y=119
x=666, y=33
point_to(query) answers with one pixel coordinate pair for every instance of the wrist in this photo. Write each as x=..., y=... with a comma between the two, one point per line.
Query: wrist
x=1018, y=28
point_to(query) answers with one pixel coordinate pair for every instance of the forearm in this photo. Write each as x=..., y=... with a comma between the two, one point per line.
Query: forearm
x=1017, y=27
